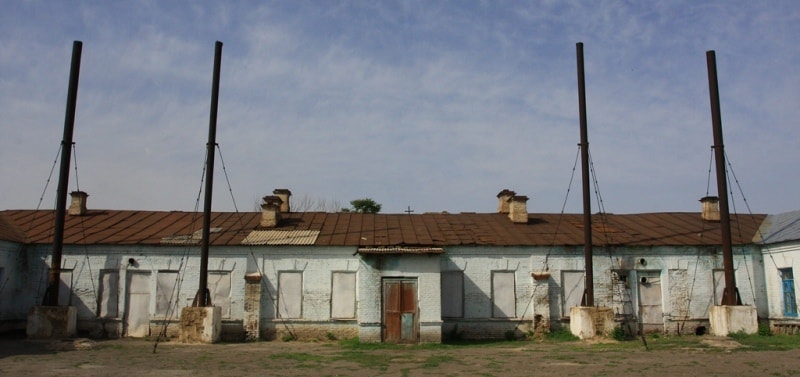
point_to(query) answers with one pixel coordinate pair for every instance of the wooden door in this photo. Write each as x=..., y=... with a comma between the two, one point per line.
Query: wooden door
x=400, y=315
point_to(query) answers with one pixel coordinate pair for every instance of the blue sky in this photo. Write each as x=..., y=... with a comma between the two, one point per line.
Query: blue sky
x=430, y=104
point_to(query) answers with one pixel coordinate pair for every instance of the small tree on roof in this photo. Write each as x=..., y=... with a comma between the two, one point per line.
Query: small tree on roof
x=365, y=205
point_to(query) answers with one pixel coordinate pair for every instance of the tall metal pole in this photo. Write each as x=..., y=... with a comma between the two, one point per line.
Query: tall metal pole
x=588, y=293
x=729, y=297
x=203, y=297
x=51, y=295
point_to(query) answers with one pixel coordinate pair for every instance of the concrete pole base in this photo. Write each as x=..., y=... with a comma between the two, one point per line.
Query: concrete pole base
x=587, y=322
x=52, y=322
x=729, y=319
x=201, y=324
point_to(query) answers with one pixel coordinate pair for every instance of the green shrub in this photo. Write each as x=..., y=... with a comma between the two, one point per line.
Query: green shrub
x=619, y=333
x=764, y=330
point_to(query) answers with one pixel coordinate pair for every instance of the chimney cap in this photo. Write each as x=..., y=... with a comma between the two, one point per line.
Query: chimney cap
x=272, y=200
x=281, y=191
x=79, y=193
x=712, y=199
x=506, y=192
x=518, y=198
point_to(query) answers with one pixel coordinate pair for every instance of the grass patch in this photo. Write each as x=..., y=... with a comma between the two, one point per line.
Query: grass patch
x=561, y=357
x=665, y=342
x=562, y=335
x=756, y=342
x=372, y=360
x=435, y=361
x=203, y=358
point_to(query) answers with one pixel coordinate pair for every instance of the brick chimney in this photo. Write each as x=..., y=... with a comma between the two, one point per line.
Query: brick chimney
x=284, y=194
x=77, y=206
x=270, y=211
x=518, y=209
x=710, y=208
x=502, y=200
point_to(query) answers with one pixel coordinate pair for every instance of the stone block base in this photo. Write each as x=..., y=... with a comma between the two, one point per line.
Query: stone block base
x=485, y=329
x=430, y=332
x=369, y=332
x=729, y=319
x=587, y=322
x=309, y=330
x=52, y=322
x=201, y=324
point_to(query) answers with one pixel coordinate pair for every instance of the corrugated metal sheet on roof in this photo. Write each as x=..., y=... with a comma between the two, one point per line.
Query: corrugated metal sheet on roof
x=779, y=228
x=281, y=237
x=400, y=250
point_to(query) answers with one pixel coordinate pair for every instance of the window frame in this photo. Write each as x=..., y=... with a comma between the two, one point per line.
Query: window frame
x=337, y=307
x=159, y=311
x=788, y=297
x=108, y=297
x=581, y=285
x=497, y=291
x=281, y=310
x=215, y=297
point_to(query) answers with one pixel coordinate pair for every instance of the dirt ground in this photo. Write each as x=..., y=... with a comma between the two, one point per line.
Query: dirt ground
x=83, y=357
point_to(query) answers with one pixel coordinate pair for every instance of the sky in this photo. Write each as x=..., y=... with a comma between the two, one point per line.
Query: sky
x=428, y=105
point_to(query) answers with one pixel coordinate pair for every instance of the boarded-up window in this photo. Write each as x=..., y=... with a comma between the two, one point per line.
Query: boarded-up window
x=219, y=284
x=504, y=298
x=572, y=285
x=290, y=294
x=165, y=292
x=343, y=295
x=109, y=294
x=65, y=288
x=452, y=291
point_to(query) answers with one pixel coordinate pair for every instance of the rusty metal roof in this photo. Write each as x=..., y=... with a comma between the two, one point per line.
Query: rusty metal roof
x=376, y=230
x=10, y=232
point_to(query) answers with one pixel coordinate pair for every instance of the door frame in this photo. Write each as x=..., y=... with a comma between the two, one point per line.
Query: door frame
x=404, y=310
